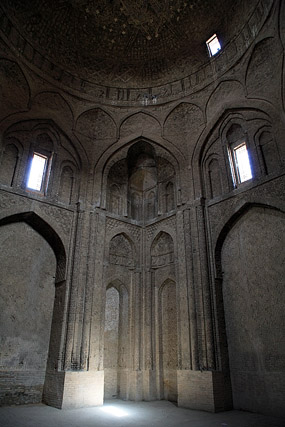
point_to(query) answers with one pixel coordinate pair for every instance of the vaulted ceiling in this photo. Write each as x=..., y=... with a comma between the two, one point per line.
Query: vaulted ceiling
x=127, y=43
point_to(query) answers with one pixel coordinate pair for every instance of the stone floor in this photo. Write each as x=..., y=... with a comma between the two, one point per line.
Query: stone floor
x=118, y=413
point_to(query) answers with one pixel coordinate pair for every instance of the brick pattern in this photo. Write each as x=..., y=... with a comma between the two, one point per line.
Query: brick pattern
x=21, y=387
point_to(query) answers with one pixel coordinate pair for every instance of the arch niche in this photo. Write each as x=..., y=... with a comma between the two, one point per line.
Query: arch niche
x=116, y=341
x=142, y=185
x=165, y=303
x=168, y=340
x=32, y=261
x=251, y=258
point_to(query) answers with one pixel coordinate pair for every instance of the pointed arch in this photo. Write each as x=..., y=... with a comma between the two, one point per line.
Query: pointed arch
x=138, y=124
x=119, y=151
x=122, y=251
x=53, y=106
x=48, y=233
x=230, y=223
x=183, y=124
x=226, y=91
x=216, y=128
x=96, y=124
x=12, y=76
x=168, y=339
x=162, y=250
x=250, y=260
x=116, y=339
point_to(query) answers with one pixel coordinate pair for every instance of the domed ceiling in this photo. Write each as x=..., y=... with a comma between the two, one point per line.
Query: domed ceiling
x=127, y=43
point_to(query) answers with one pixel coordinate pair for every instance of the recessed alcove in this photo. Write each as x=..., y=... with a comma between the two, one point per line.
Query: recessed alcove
x=141, y=187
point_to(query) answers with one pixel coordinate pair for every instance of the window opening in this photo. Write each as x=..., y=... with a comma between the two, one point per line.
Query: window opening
x=37, y=172
x=240, y=164
x=213, y=45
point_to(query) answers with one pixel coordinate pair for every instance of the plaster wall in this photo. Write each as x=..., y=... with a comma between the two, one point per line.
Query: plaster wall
x=111, y=344
x=27, y=288
x=253, y=289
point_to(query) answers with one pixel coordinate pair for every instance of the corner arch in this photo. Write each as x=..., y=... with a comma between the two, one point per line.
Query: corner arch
x=118, y=151
x=102, y=169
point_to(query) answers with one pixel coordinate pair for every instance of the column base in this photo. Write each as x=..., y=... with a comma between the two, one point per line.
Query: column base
x=72, y=389
x=207, y=390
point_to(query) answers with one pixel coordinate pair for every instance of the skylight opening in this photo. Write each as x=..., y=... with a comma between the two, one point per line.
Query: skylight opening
x=37, y=172
x=213, y=45
x=242, y=163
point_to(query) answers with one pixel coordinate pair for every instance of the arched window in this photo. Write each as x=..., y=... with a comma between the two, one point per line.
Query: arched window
x=40, y=164
x=239, y=157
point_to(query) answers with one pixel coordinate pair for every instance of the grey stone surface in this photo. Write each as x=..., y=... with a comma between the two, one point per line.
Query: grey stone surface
x=131, y=413
x=27, y=275
x=253, y=287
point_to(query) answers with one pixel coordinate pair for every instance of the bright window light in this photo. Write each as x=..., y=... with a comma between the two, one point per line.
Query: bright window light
x=37, y=172
x=213, y=45
x=242, y=163
x=113, y=410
